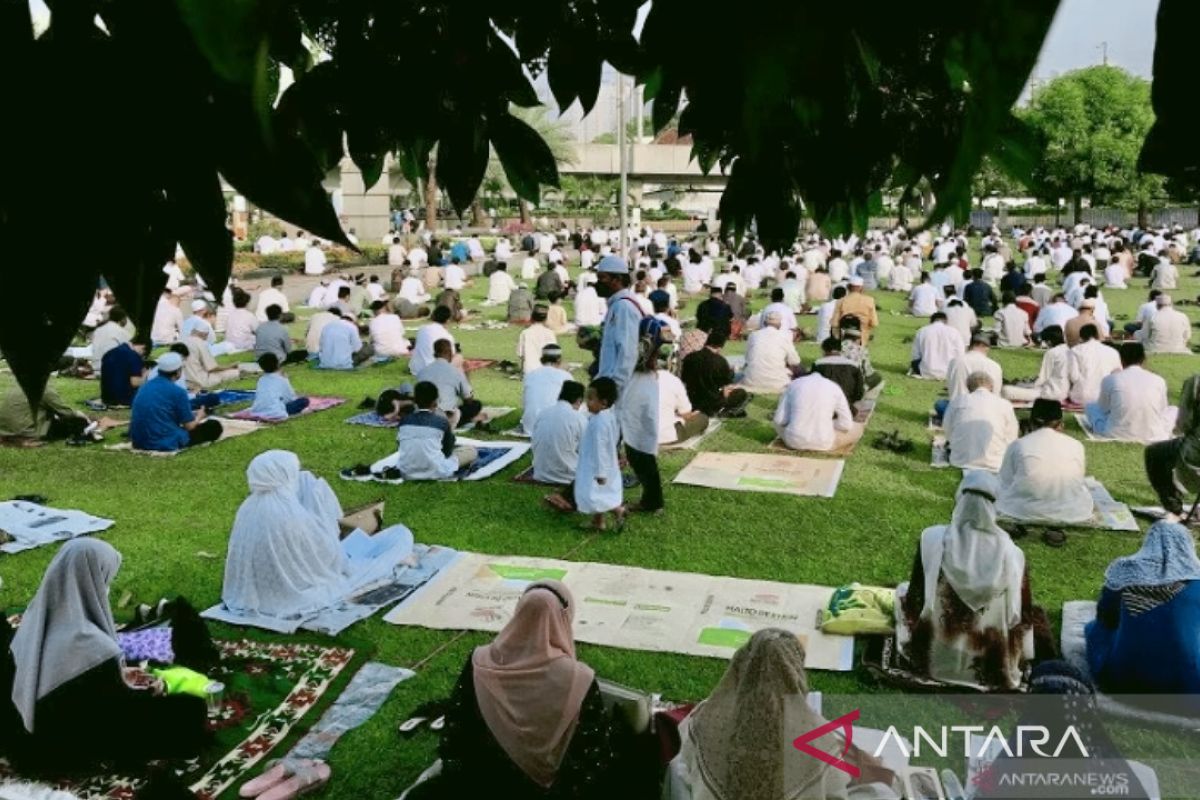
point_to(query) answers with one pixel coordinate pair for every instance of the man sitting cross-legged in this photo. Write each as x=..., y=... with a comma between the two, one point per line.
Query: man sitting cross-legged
x=709, y=380
x=342, y=347
x=1054, y=379
x=1042, y=475
x=162, y=417
x=813, y=415
x=841, y=370
x=980, y=425
x=456, y=398
x=425, y=440
x=1133, y=402
x=934, y=347
x=556, y=437
x=771, y=358
x=542, y=386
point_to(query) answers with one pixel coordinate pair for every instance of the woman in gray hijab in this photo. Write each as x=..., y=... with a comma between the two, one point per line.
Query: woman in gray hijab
x=72, y=709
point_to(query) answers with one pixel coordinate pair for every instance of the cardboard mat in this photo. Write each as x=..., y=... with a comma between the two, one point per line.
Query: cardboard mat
x=630, y=607
x=230, y=429
x=764, y=472
x=693, y=443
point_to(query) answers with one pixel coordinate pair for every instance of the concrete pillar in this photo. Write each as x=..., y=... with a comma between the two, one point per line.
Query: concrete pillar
x=367, y=211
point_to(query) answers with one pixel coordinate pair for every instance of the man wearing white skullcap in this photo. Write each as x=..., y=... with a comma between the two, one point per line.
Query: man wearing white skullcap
x=162, y=417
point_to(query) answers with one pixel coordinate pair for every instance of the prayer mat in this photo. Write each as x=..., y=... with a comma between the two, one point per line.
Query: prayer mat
x=372, y=420
x=493, y=457
x=856, y=432
x=764, y=472
x=315, y=404
x=517, y=433
x=1076, y=614
x=693, y=443
x=231, y=428
x=271, y=691
x=386, y=568
x=631, y=607
x=883, y=660
x=24, y=526
x=358, y=702
x=1110, y=514
x=1092, y=436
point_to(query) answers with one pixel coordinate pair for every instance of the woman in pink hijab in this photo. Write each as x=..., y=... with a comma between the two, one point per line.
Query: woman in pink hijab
x=526, y=719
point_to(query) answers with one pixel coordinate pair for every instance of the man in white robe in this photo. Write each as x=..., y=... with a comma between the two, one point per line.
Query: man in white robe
x=962, y=318
x=1012, y=323
x=1042, y=476
x=422, y=352
x=980, y=425
x=387, y=331
x=1132, y=405
x=541, y=387
x=1056, y=313
x=813, y=415
x=314, y=260
x=1092, y=361
x=1164, y=276
x=771, y=358
x=1054, y=378
x=934, y=347
x=1168, y=330
x=168, y=320
x=500, y=287
x=975, y=359
x=922, y=301
x=589, y=307
x=556, y=437
x=273, y=296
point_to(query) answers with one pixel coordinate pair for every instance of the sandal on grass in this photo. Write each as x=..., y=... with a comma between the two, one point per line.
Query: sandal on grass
x=359, y=472
x=288, y=779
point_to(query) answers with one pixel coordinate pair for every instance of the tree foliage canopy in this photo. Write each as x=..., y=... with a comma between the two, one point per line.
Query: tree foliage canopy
x=801, y=102
x=1092, y=124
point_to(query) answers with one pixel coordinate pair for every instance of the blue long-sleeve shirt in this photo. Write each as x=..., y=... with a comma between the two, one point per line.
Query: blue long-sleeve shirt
x=619, y=343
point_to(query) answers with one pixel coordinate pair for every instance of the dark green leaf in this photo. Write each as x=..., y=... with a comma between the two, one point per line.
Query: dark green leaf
x=527, y=160
x=462, y=161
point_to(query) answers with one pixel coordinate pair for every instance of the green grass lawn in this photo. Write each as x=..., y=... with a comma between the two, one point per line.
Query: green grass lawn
x=174, y=515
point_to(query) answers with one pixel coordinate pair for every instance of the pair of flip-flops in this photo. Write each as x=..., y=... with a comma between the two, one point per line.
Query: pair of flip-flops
x=286, y=779
x=362, y=473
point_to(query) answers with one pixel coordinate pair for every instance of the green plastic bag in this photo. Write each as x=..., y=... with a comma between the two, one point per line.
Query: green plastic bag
x=181, y=680
x=858, y=609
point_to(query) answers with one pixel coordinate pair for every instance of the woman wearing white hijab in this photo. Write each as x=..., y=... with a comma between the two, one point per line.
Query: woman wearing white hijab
x=965, y=617
x=737, y=744
x=526, y=719
x=72, y=706
x=285, y=559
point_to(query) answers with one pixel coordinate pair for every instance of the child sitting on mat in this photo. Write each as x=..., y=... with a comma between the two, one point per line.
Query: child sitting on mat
x=274, y=397
x=598, y=487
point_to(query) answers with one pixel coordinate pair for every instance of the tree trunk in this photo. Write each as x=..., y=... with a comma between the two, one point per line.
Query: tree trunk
x=524, y=207
x=1143, y=213
x=477, y=220
x=431, y=200
x=1078, y=209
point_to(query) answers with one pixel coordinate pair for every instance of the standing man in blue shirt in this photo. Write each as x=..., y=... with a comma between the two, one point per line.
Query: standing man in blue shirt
x=162, y=417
